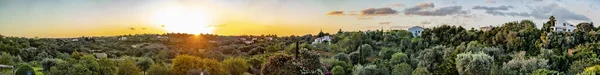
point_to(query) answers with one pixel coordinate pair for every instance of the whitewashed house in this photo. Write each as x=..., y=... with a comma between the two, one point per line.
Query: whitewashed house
x=416, y=30
x=486, y=28
x=123, y=38
x=322, y=39
x=564, y=27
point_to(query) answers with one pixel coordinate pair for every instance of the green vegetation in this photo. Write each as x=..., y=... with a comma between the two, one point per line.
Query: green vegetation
x=514, y=48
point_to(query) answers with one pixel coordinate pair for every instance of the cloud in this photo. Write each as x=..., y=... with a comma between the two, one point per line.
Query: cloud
x=491, y=1
x=364, y=18
x=397, y=5
x=131, y=28
x=425, y=22
x=378, y=11
x=336, y=13
x=561, y=13
x=400, y=26
x=496, y=11
x=385, y=23
x=493, y=8
x=539, y=12
x=425, y=9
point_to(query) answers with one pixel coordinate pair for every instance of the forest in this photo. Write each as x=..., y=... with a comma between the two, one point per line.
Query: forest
x=513, y=48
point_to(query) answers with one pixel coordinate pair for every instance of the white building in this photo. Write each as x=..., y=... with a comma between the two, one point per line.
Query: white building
x=564, y=27
x=416, y=30
x=322, y=39
x=486, y=28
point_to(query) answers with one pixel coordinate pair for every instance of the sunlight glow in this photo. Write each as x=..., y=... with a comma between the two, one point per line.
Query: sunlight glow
x=178, y=19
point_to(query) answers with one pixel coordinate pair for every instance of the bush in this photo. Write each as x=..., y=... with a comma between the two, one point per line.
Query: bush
x=365, y=70
x=342, y=57
x=236, y=66
x=402, y=69
x=24, y=69
x=593, y=70
x=280, y=64
x=159, y=69
x=545, y=72
x=338, y=70
x=355, y=57
x=421, y=71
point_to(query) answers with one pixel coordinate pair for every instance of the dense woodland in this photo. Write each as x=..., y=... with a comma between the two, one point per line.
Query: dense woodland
x=513, y=48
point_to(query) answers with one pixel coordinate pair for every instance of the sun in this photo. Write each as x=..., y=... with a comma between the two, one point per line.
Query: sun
x=182, y=20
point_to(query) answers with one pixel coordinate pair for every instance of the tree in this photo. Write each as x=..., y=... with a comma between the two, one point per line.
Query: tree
x=580, y=65
x=184, y=64
x=338, y=70
x=107, y=67
x=6, y=59
x=421, y=71
x=431, y=58
x=355, y=57
x=48, y=63
x=365, y=51
x=159, y=69
x=128, y=67
x=399, y=57
x=474, y=64
x=402, y=69
x=342, y=57
x=144, y=64
x=236, y=65
x=524, y=66
x=367, y=70
x=280, y=64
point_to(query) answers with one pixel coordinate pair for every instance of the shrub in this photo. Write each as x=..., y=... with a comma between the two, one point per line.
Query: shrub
x=421, y=71
x=545, y=72
x=24, y=69
x=342, y=57
x=236, y=66
x=338, y=70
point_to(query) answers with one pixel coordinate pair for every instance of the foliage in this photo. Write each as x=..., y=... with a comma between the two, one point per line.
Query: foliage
x=545, y=72
x=6, y=59
x=184, y=64
x=144, y=64
x=593, y=70
x=159, y=69
x=24, y=69
x=399, y=57
x=338, y=70
x=367, y=70
x=342, y=57
x=236, y=65
x=280, y=64
x=524, y=66
x=421, y=71
x=474, y=63
x=402, y=69
x=128, y=67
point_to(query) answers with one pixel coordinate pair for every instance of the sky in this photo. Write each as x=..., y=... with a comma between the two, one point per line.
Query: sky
x=75, y=18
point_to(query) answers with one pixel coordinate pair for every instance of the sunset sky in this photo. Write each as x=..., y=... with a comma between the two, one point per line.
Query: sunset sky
x=74, y=18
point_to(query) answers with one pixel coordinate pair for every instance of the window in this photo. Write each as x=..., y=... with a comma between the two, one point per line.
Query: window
x=564, y=30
